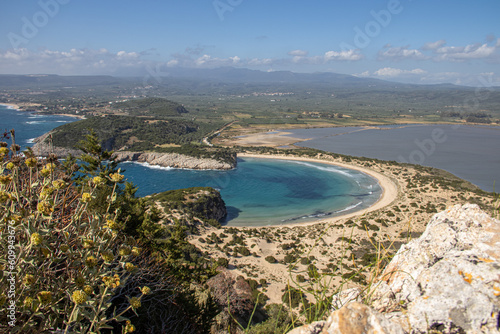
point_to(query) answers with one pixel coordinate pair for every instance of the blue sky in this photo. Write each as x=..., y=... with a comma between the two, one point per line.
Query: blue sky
x=418, y=41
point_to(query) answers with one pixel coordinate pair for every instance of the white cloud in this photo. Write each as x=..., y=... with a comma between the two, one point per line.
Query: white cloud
x=343, y=55
x=390, y=72
x=401, y=53
x=473, y=51
x=433, y=45
x=298, y=53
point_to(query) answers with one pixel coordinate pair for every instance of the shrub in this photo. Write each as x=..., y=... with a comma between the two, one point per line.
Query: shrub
x=271, y=259
x=70, y=249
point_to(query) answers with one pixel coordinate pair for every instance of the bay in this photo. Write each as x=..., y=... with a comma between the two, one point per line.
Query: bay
x=258, y=192
x=269, y=192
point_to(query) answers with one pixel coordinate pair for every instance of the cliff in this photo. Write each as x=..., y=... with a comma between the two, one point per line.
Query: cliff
x=174, y=160
x=43, y=147
x=446, y=281
x=204, y=203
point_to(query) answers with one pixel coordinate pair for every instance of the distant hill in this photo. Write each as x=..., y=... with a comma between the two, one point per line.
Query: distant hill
x=152, y=106
x=55, y=81
x=132, y=133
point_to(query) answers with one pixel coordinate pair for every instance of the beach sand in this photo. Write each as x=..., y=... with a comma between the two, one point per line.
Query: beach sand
x=410, y=198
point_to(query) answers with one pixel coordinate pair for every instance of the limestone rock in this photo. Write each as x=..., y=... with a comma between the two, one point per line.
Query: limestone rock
x=345, y=297
x=353, y=318
x=449, y=278
x=173, y=160
x=446, y=281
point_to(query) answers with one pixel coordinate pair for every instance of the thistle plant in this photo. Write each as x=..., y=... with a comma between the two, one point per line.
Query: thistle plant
x=61, y=259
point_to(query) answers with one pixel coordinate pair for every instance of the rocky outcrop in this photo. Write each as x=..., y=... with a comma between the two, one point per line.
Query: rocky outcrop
x=448, y=280
x=43, y=147
x=173, y=160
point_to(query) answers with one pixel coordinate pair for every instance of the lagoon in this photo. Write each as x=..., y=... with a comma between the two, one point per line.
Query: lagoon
x=469, y=152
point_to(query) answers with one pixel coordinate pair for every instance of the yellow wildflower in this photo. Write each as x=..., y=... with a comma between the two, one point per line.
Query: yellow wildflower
x=112, y=225
x=124, y=251
x=116, y=177
x=50, y=167
x=28, y=302
x=88, y=289
x=4, y=150
x=135, y=302
x=86, y=197
x=112, y=282
x=130, y=267
x=108, y=256
x=36, y=239
x=145, y=290
x=91, y=261
x=45, y=172
x=44, y=208
x=31, y=162
x=88, y=243
x=28, y=279
x=10, y=165
x=5, y=179
x=129, y=328
x=136, y=251
x=59, y=184
x=45, y=297
x=79, y=297
x=98, y=181
x=4, y=197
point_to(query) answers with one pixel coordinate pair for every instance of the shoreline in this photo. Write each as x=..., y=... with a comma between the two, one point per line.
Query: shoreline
x=390, y=189
x=10, y=106
x=17, y=107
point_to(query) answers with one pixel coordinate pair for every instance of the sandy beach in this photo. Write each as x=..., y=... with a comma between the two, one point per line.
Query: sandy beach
x=389, y=187
x=411, y=196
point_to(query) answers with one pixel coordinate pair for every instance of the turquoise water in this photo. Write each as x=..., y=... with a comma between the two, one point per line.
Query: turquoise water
x=269, y=192
x=258, y=192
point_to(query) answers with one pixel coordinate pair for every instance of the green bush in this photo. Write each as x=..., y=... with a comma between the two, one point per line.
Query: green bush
x=271, y=259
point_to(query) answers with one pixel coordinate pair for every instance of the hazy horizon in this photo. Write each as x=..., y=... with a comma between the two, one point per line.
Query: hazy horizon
x=402, y=41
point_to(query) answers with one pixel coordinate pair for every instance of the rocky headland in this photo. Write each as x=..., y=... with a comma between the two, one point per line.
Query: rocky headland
x=173, y=160
x=43, y=147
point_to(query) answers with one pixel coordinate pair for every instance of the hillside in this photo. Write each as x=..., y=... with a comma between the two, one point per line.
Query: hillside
x=131, y=133
x=150, y=107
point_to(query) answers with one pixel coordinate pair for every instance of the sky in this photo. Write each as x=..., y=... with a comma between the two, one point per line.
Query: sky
x=414, y=41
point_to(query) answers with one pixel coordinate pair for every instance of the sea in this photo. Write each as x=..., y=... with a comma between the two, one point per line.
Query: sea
x=471, y=152
x=259, y=192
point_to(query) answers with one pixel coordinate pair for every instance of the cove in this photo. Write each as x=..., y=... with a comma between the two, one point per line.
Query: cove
x=261, y=192
x=258, y=192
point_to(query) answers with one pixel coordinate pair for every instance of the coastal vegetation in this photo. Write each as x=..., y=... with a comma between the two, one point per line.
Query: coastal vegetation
x=93, y=256
x=83, y=233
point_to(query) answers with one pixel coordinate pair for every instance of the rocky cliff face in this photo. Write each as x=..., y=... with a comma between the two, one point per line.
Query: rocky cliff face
x=448, y=281
x=43, y=148
x=173, y=160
